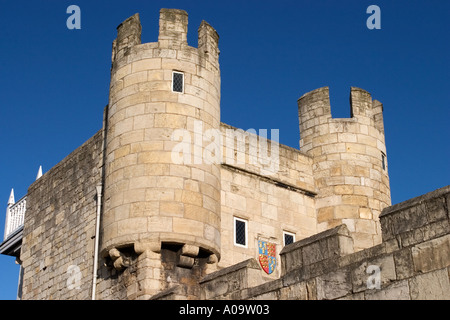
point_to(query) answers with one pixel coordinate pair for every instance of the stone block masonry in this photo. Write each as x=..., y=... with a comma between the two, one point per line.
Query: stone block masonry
x=349, y=163
x=412, y=262
x=59, y=229
x=193, y=230
x=152, y=203
x=149, y=199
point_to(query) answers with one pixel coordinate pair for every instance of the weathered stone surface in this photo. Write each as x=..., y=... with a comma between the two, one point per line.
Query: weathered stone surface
x=403, y=264
x=356, y=296
x=432, y=255
x=396, y=291
x=417, y=213
x=228, y=280
x=328, y=244
x=298, y=291
x=361, y=274
x=334, y=285
x=58, y=257
x=268, y=290
x=430, y=286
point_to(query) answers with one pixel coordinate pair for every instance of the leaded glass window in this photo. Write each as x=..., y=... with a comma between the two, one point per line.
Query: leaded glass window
x=177, y=82
x=240, y=232
x=288, y=238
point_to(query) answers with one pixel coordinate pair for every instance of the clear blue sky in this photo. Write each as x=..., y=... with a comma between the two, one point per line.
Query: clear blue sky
x=54, y=81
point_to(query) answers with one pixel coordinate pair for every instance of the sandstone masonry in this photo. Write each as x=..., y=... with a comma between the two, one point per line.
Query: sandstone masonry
x=413, y=261
x=196, y=230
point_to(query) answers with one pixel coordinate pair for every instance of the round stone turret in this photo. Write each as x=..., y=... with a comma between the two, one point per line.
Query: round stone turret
x=349, y=163
x=157, y=91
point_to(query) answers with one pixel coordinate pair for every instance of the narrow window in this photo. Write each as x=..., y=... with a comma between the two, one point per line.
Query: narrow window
x=383, y=161
x=177, y=81
x=240, y=232
x=288, y=238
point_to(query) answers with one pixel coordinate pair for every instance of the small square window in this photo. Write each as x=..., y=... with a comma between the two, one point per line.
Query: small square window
x=288, y=238
x=240, y=232
x=177, y=81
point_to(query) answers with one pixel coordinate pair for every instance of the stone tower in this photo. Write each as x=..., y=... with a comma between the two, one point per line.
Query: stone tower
x=150, y=201
x=349, y=163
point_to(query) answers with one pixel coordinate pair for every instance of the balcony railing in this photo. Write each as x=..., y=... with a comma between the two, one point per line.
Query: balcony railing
x=15, y=214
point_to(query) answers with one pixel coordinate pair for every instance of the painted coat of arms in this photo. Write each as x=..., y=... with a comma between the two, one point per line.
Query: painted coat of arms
x=267, y=256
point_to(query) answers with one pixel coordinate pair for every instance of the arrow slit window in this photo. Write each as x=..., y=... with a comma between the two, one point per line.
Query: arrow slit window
x=383, y=160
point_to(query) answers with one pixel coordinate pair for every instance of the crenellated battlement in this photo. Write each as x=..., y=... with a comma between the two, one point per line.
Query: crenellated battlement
x=173, y=27
x=315, y=117
x=360, y=103
x=314, y=108
x=128, y=36
x=172, y=40
x=208, y=40
x=314, y=104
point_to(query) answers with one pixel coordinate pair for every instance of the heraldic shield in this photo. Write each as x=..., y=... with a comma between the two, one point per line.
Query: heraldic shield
x=267, y=256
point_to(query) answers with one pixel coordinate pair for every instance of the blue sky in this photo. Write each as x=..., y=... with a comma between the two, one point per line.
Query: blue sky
x=54, y=81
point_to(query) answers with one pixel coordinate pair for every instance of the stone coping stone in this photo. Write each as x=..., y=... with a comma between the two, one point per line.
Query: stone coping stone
x=415, y=201
x=249, y=263
x=340, y=230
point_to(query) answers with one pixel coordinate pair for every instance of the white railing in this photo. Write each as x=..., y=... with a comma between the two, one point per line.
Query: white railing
x=15, y=214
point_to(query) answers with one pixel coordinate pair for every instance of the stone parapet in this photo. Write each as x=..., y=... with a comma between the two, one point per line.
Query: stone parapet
x=412, y=262
x=329, y=244
x=418, y=219
x=229, y=282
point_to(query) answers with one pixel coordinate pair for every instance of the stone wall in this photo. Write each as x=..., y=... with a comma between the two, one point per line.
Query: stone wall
x=268, y=208
x=59, y=228
x=412, y=262
x=251, y=152
x=271, y=201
